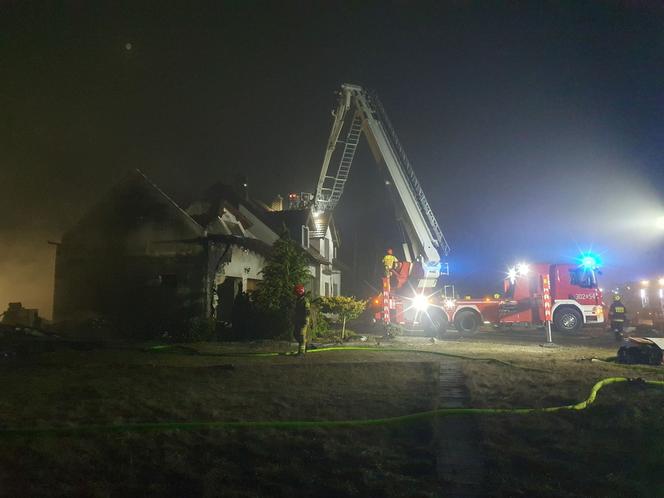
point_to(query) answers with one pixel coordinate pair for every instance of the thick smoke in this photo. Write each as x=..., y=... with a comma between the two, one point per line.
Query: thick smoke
x=26, y=271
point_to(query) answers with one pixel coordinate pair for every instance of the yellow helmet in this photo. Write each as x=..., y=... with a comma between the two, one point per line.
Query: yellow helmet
x=616, y=297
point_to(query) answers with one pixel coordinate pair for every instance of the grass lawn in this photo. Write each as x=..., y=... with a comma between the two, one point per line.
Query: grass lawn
x=613, y=449
x=616, y=448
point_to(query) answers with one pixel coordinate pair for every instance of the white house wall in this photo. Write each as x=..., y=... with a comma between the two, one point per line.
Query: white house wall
x=330, y=244
x=244, y=264
x=247, y=265
x=322, y=277
x=319, y=245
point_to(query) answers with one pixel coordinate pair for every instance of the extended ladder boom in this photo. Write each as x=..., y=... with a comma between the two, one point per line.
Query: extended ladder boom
x=368, y=115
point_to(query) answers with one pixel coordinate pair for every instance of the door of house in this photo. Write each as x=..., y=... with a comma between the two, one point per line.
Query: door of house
x=226, y=293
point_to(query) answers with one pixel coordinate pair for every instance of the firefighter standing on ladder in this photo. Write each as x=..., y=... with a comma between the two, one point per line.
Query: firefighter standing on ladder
x=390, y=262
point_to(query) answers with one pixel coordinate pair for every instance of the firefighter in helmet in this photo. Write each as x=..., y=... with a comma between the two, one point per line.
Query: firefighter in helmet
x=618, y=316
x=301, y=318
x=390, y=262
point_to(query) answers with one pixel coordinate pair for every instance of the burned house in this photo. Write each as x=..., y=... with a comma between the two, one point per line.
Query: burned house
x=140, y=262
x=316, y=234
x=125, y=261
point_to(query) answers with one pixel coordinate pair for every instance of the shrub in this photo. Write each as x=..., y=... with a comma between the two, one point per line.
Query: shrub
x=344, y=307
x=285, y=267
x=319, y=325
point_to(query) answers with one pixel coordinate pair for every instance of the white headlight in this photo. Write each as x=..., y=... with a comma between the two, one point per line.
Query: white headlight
x=420, y=302
x=511, y=274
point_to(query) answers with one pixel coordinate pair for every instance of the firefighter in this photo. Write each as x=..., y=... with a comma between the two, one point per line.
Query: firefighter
x=618, y=316
x=390, y=262
x=301, y=318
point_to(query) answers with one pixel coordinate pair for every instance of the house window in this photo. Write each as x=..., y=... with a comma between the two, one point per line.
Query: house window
x=335, y=289
x=327, y=289
x=327, y=254
x=305, y=237
x=169, y=280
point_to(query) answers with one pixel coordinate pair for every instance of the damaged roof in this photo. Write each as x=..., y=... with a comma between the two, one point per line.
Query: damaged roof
x=221, y=195
x=255, y=245
x=135, y=200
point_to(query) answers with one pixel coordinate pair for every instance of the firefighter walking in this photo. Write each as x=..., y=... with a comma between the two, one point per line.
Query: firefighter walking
x=301, y=318
x=618, y=316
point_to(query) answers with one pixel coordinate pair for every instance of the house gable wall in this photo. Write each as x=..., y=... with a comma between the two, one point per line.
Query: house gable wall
x=125, y=261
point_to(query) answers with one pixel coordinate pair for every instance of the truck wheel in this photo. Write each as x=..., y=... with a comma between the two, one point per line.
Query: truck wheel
x=435, y=324
x=567, y=320
x=467, y=322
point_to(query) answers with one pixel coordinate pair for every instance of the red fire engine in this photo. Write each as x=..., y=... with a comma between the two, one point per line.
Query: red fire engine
x=576, y=300
x=413, y=296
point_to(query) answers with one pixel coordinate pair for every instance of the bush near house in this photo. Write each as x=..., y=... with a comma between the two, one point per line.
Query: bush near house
x=343, y=308
x=286, y=266
x=319, y=325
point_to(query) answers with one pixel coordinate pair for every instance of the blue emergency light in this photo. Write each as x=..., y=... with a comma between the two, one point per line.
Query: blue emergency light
x=589, y=261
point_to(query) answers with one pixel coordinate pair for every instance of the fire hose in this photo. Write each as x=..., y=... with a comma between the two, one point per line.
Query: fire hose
x=311, y=424
x=195, y=352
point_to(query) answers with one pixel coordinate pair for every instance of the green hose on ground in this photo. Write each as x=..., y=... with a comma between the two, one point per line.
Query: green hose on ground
x=193, y=351
x=309, y=424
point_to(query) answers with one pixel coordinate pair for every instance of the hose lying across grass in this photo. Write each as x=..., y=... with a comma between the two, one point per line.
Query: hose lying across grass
x=309, y=424
x=166, y=348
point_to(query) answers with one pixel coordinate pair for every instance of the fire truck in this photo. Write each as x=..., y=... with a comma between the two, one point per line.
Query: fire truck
x=414, y=296
x=576, y=299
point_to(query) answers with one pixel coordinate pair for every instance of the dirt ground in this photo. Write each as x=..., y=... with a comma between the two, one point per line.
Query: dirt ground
x=613, y=449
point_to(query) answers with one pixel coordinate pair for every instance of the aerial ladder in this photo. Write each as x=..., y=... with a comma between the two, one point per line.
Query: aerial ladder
x=361, y=112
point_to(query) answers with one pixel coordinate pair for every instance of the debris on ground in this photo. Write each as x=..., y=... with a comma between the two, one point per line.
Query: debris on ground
x=641, y=351
x=19, y=316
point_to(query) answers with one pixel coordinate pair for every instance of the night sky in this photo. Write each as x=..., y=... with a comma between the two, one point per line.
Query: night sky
x=536, y=128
